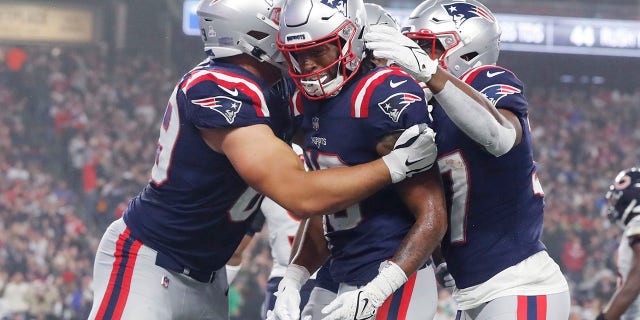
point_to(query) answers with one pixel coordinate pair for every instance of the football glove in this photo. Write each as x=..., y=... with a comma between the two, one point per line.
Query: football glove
x=389, y=43
x=444, y=277
x=287, y=305
x=364, y=303
x=414, y=152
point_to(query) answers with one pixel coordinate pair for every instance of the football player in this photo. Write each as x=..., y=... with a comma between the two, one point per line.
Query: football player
x=223, y=145
x=378, y=248
x=325, y=289
x=485, y=155
x=623, y=209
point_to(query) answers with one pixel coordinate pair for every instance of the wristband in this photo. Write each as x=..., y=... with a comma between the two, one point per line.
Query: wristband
x=389, y=279
x=295, y=276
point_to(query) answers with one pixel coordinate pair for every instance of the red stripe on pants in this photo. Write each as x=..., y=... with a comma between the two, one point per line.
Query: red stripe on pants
x=522, y=308
x=406, y=296
x=126, y=281
x=383, y=311
x=541, y=302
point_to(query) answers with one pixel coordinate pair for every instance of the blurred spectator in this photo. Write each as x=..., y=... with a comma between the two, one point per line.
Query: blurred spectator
x=15, y=57
x=573, y=258
x=15, y=296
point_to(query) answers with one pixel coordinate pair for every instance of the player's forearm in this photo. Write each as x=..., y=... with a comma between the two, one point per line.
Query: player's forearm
x=417, y=246
x=272, y=168
x=623, y=298
x=332, y=190
x=310, y=246
x=473, y=113
x=424, y=196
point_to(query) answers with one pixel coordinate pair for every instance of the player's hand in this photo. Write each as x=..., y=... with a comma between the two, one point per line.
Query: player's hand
x=414, y=152
x=444, y=277
x=287, y=305
x=389, y=43
x=358, y=305
x=364, y=303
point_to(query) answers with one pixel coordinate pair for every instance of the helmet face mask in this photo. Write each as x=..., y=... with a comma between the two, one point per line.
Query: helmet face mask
x=437, y=45
x=233, y=27
x=467, y=31
x=306, y=24
x=323, y=81
x=623, y=197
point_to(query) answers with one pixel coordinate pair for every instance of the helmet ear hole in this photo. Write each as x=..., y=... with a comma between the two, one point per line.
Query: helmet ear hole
x=258, y=35
x=469, y=56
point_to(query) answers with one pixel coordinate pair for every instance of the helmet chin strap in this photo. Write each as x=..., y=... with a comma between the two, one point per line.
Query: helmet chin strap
x=315, y=87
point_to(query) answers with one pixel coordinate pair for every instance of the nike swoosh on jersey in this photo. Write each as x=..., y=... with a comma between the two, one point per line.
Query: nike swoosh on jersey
x=233, y=92
x=493, y=74
x=396, y=84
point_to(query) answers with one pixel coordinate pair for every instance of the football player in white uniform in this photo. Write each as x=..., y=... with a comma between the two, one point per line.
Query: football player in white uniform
x=623, y=208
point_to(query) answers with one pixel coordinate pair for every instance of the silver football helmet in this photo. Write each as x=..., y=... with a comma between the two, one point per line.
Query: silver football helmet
x=466, y=30
x=306, y=24
x=233, y=27
x=376, y=14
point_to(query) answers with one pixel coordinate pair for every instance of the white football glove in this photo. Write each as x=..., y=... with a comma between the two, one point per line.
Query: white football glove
x=364, y=303
x=414, y=152
x=444, y=277
x=287, y=305
x=389, y=43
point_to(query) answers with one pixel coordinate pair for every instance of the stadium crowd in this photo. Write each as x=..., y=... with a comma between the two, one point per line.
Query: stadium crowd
x=74, y=148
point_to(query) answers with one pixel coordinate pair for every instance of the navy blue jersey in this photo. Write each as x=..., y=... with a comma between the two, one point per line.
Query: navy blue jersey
x=195, y=207
x=344, y=131
x=495, y=204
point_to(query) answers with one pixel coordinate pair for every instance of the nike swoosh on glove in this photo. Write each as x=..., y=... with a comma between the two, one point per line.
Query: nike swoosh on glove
x=357, y=305
x=389, y=43
x=364, y=303
x=415, y=151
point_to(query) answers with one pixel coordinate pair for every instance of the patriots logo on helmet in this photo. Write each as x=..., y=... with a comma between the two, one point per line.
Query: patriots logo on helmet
x=224, y=105
x=498, y=91
x=340, y=5
x=461, y=12
x=395, y=104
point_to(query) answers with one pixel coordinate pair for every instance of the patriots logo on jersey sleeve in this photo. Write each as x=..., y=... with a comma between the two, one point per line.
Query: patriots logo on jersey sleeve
x=224, y=105
x=461, y=12
x=395, y=104
x=498, y=91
